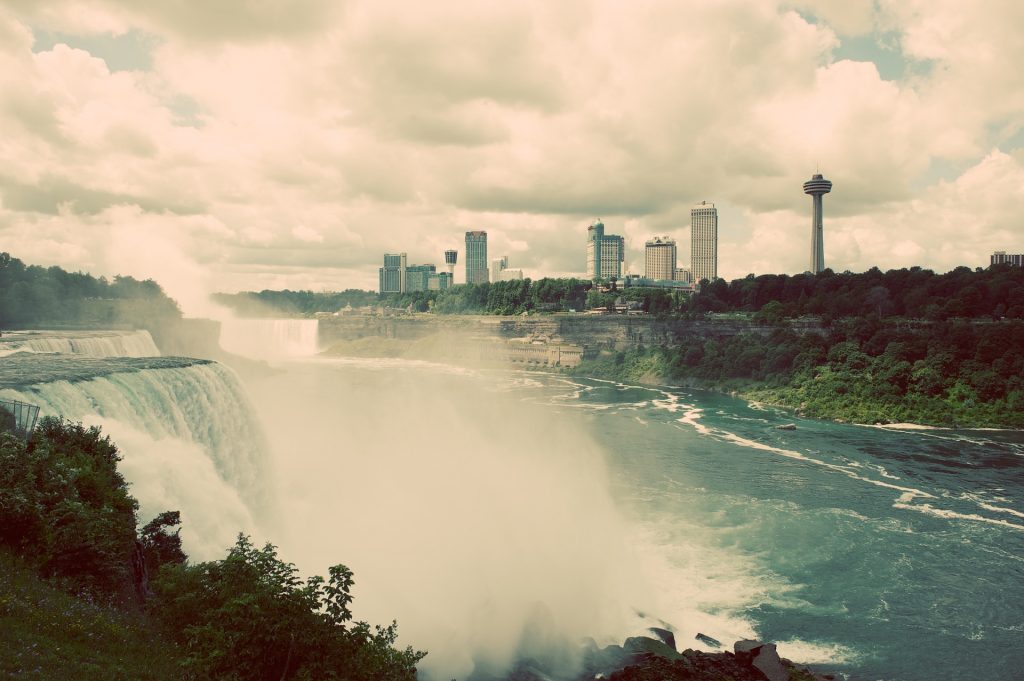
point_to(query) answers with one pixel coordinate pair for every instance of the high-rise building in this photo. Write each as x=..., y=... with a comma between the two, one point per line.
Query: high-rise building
x=417, y=277
x=817, y=187
x=1000, y=257
x=704, y=242
x=660, y=259
x=605, y=253
x=392, y=275
x=476, y=257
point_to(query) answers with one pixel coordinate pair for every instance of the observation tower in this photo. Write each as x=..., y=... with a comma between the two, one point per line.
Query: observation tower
x=450, y=258
x=817, y=187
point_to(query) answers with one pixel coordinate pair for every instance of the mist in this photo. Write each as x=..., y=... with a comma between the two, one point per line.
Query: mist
x=482, y=523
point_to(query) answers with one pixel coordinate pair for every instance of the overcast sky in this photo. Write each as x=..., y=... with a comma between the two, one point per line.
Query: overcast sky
x=234, y=144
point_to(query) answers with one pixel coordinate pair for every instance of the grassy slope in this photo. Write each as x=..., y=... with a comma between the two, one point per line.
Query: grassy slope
x=47, y=634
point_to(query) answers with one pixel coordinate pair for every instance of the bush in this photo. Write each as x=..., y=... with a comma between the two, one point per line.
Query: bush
x=250, y=618
x=64, y=507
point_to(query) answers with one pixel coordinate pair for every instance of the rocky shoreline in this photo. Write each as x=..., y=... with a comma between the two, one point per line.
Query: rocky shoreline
x=656, y=658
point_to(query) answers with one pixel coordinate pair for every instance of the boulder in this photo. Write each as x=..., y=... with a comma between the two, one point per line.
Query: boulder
x=768, y=663
x=708, y=641
x=665, y=635
x=786, y=426
x=762, y=657
x=645, y=645
x=746, y=651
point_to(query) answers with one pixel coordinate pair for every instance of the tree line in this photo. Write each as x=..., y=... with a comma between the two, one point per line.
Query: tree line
x=34, y=296
x=996, y=292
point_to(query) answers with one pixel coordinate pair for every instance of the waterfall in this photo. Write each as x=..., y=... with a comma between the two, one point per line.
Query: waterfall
x=190, y=439
x=89, y=343
x=270, y=338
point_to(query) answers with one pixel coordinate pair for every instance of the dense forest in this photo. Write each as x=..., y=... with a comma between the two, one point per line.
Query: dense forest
x=916, y=293
x=86, y=594
x=33, y=296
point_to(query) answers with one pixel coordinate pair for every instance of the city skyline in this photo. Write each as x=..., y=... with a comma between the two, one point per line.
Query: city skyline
x=249, y=146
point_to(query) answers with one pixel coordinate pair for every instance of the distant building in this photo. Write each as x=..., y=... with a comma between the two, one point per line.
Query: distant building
x=605, y=253
x=392, y=275
x=501, y=272
x=439, y=281
x=704, y=241
x=683, y=274
x=1000, y=257
x=451, y=256
x=635, y=280
x=417, y=277
x=476, y=257
x=660, y=258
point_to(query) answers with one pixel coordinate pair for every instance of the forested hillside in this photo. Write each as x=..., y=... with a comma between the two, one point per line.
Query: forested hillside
x=50, y=297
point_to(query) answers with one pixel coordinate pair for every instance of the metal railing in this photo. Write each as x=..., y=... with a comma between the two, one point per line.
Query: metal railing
x=23, y=417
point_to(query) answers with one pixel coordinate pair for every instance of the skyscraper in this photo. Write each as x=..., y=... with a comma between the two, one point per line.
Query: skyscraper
x=660, y=259
x=817, y=187
x=605, y=253
x=704, y=241
x=392, y=275
x=476, y=257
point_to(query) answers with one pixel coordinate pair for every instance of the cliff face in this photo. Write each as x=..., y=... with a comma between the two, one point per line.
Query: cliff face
x=591, y=332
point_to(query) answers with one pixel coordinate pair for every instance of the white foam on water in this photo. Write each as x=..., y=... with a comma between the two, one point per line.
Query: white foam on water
x=928, y=509
x=168, y=474
x=700, y=588
x=817, y=652
x=1000, y=509
x=179, y=417
x=88, y=343
x=692, y=419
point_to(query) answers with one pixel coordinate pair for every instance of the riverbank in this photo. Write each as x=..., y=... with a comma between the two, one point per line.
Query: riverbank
x=823, y=391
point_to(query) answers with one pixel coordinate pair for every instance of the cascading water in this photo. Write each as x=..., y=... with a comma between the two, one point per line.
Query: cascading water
x=189, y=437
x=270, y=338
x=89, y=343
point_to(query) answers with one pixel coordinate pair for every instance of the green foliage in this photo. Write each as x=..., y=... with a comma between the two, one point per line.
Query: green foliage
x=32, y=296
x=867, y=370
x=995, y=293
x=65, y=507
x=46, y=633
x=249, y=617
x=161, y=546
x=66, y=516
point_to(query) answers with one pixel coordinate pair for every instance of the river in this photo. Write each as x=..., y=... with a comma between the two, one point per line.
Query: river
x=502, y=513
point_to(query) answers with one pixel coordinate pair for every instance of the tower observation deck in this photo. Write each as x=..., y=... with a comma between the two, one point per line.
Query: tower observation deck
x=817, y=187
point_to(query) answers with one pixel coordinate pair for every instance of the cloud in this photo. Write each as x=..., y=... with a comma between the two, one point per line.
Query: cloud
x=303, y=140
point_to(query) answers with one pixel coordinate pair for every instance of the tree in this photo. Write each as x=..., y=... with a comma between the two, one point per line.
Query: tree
x=250, y=618
x=160, y=546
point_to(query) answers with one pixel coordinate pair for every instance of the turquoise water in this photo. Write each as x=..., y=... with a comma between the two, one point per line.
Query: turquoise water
x=879, y=553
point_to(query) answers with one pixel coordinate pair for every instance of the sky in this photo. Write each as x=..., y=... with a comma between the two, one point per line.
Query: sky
x=233, y=145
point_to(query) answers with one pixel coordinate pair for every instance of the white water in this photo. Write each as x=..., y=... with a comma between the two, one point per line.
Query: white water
x=88, y=343
x=190, y=442
x=270, y=338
